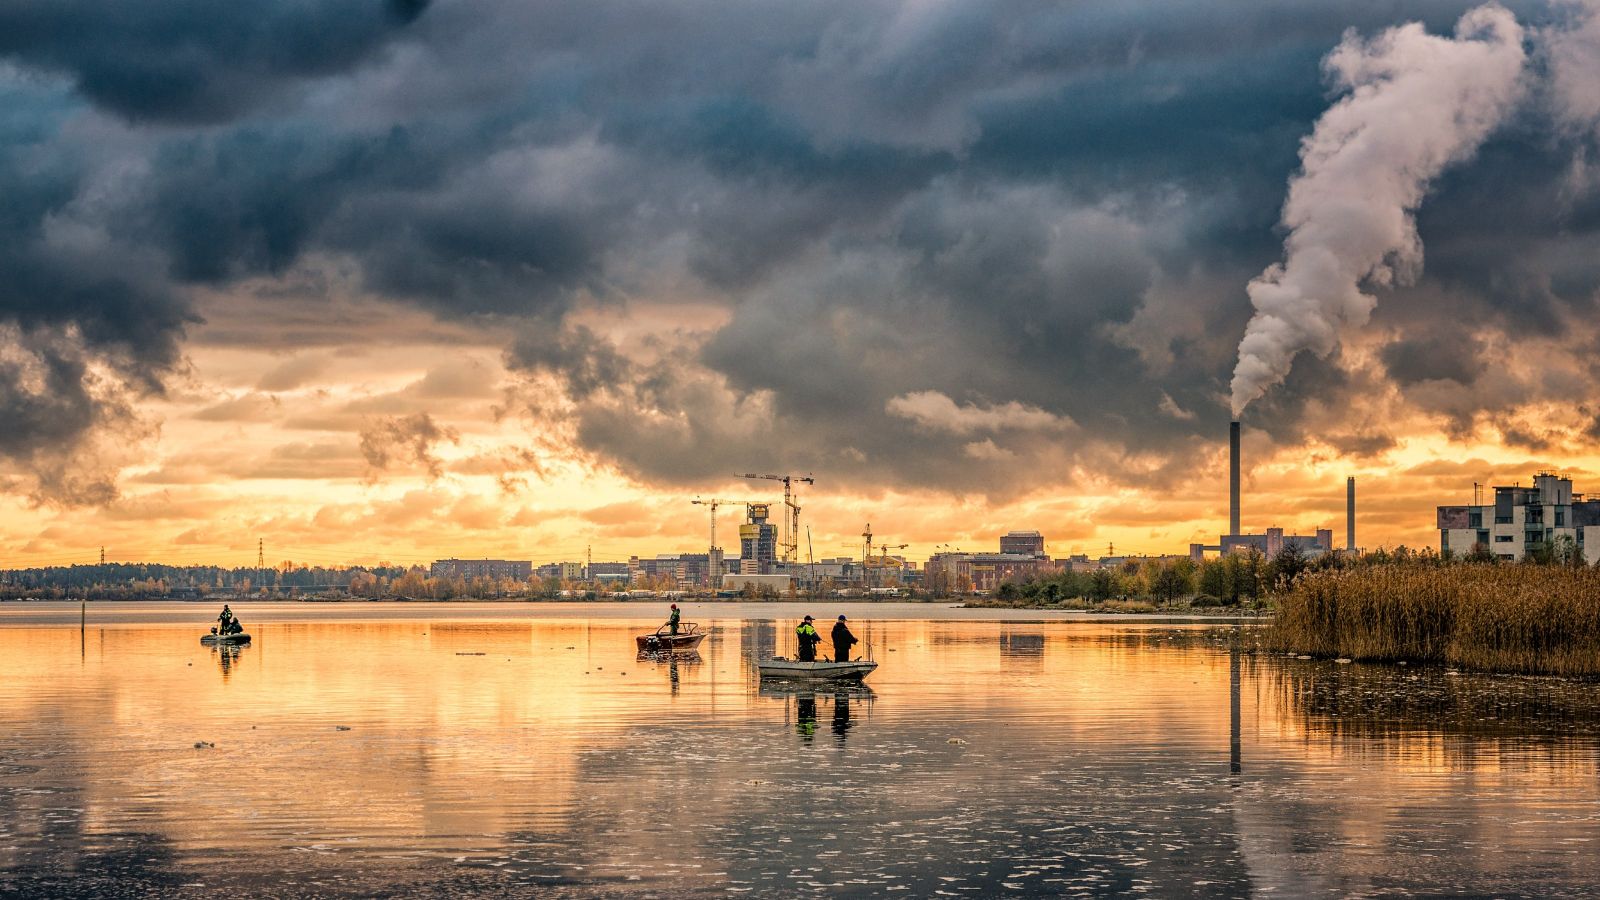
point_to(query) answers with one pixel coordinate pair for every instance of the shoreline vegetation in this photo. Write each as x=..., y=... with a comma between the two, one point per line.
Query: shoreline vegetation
x=1515, y=618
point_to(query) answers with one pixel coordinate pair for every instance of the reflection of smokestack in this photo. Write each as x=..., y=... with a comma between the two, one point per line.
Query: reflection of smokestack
x=1350, y=513
x=1233, y=478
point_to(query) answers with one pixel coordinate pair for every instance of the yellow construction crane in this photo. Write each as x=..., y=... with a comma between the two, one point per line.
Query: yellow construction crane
x=882, y=560
x=790, y=541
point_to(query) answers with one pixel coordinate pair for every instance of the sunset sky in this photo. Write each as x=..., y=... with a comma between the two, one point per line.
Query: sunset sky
x=393, y=281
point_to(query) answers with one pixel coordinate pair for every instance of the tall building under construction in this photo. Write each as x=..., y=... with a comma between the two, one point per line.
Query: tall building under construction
x=758, y=541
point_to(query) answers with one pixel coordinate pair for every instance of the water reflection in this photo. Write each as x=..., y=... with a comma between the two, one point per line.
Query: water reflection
x=841, y=717
x=805, y=716
x=436, y=757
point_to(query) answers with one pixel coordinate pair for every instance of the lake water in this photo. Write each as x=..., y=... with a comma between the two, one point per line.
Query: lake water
x=441, y=749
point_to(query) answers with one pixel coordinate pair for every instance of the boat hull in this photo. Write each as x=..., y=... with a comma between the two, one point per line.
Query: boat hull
x=794, y=670
x=669, y=643
x=225, y=638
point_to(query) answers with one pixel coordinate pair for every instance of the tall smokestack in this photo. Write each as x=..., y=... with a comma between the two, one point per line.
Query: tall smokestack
x=1233, y=478
x=1350, y=513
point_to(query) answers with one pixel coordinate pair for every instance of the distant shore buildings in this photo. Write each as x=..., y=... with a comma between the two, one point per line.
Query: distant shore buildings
x=1520, y=520
x=497, y=569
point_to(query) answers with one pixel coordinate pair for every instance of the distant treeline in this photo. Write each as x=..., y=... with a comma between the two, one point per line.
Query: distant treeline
x=116, y=581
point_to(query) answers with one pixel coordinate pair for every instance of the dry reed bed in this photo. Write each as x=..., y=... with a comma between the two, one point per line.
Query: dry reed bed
x=1499, y=618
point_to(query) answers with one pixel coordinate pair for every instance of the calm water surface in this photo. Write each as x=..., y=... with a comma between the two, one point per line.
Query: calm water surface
x=375, y=749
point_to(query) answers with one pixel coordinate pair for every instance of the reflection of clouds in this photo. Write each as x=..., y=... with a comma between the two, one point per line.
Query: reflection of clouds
x=1095, y=758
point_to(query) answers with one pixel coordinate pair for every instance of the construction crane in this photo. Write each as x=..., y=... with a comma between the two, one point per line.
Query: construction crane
x=715, y=576
x=881, y=561
x=790, y=541
x=714, y=503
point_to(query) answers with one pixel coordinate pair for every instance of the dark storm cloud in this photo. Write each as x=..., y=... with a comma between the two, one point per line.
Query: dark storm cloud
x=1449, y=354
x=1047, y=205
x=406, y=441
x=88, y=326
x=189, y=60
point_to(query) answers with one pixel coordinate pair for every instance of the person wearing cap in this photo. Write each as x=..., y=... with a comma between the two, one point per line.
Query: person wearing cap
x=843, y=640
x=805, y=634
x=672, y=620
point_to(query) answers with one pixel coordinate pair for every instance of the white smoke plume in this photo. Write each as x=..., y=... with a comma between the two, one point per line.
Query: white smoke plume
x=1416, y=103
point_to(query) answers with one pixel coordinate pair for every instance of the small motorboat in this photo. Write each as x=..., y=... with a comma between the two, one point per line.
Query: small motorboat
x=214, y=638
x=795, y=670
x=687, y=640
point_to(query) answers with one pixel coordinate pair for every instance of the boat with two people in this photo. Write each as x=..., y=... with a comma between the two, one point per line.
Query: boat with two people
x=806, y=666
x=228, y=630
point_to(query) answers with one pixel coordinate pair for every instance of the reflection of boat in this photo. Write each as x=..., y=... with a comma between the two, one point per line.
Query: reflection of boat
x=240, y=638
x=855, y=690
x=686, y=640
x=794, y=670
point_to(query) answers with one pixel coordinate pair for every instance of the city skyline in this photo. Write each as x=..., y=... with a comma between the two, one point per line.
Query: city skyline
x=470, y=279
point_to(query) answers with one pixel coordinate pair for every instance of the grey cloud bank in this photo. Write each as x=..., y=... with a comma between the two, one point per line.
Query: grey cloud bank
x=1038, y=213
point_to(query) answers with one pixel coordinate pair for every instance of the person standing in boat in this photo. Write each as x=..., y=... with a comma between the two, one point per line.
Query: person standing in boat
x=843, y=640
x=672, y=620
x=226, y=623
x=805, y=635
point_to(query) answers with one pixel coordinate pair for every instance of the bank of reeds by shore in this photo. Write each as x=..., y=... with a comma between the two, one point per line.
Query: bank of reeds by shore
x=1501, y=618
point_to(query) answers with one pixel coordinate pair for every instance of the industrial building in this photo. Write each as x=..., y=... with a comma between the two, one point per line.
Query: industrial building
x=1021, y=557
x=687, y=569
x=1274, y=540
x=1027, y=543
x=514, y=569
x=985, y=571
x=1521, y=519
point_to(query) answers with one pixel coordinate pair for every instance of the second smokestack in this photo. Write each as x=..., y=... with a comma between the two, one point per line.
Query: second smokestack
x=1350, y=513
x=1233, y=478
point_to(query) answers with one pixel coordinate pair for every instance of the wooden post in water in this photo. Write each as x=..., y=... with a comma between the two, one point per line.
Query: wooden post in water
x=83, y=626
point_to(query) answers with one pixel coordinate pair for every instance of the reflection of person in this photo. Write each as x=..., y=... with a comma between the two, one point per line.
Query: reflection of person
x=226, y=623
x=672, y=620
x=226, y=655
x=841, y=716
x=843, y=640
x=806, y=716
x=805, y=634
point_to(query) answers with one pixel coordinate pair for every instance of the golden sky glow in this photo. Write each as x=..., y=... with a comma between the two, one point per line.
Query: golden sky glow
x=267, y=444
x=517, y=285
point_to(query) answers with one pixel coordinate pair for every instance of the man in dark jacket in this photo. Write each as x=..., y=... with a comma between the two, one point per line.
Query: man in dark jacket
x=843, y=640
x=805, y=635
x=672, y=619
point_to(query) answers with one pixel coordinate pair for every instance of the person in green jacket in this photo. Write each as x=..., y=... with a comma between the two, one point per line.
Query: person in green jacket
x=672, y=620
x=226, y=623
x=806, y=637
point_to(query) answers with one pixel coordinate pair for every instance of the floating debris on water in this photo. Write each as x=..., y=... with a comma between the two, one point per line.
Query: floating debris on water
x=204, y=745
